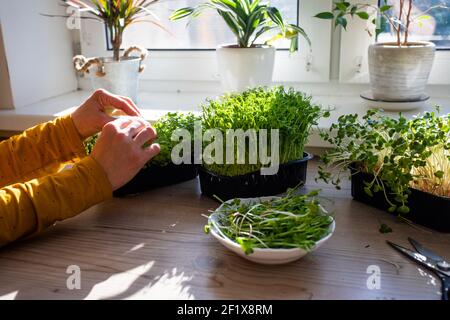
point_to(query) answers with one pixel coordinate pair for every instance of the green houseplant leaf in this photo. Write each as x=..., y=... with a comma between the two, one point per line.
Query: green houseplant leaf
x=248, y=20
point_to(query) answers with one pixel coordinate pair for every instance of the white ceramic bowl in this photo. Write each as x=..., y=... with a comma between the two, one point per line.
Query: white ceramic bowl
x=265, y=256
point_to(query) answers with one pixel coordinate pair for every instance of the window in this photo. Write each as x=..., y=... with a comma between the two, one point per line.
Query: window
x=433, y=25
x=205, y=32
x=187, y=61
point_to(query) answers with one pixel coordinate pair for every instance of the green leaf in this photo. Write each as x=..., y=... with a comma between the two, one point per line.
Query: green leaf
x=384, y=228
x=341, y=6
x=403, y=209
x=439, y=174
x=368, y=191
x=276, y=17
x=325, y=15
x=181, y=13
x=342, y=22
x=363, y=15
x=385, y=8
x=378, y=31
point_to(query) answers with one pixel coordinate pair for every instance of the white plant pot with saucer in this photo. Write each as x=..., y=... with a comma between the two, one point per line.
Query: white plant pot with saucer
x=243, y=68
x=399, y=74
x=118, y=77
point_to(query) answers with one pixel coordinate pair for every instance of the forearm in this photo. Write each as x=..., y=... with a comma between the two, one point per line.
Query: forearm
x=39, y=151
x=30, y=207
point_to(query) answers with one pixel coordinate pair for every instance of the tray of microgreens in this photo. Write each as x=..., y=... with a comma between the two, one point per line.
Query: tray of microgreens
x=397, y=164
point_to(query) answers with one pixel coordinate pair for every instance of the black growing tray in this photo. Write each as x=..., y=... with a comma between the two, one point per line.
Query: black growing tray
x=154, y=176
x=426, y=209
x=254, y=184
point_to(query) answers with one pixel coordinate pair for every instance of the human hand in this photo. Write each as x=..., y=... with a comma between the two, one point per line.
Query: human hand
x=119, y=149
x=92, y=115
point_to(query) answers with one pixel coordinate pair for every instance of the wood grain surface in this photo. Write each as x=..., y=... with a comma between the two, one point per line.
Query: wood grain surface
x=152, y=246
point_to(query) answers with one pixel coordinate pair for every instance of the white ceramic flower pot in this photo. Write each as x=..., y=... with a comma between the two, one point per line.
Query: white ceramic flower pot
x=400, y=73
x=243, y=68
x=121, y=77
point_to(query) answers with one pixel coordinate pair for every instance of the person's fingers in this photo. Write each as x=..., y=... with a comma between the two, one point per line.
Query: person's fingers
x=145, y=135
x=133, y=128
x=122, y=122
x=132, y=104
x=152, y=151
x=107, y=99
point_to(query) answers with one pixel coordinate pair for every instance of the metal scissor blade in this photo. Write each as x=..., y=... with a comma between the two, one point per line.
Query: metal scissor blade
x=417, y=257
x=424, y=251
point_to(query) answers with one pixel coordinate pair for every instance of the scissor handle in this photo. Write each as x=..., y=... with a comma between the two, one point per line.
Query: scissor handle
x=445, y=287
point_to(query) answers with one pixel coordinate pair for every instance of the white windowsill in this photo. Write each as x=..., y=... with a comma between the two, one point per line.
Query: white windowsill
x=344, y=100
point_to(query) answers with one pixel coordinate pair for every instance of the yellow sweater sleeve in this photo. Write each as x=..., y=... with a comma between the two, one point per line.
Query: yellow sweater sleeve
x=39, y=151
x=30, y=207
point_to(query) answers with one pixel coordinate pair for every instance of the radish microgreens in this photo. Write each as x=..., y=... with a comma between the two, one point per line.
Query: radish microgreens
x=399, y=153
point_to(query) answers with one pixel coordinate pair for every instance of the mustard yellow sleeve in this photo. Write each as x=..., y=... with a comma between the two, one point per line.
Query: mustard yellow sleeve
x=30, y=207
x=39, y=151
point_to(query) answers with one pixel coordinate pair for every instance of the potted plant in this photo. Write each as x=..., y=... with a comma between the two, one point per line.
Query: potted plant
x=398, y=165
x=160, y=171
x=248, y=62
x=258, y=110
x=398, y=70
x=117, y=74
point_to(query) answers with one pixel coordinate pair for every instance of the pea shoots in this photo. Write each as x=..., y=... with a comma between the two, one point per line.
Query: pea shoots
x=293, y=221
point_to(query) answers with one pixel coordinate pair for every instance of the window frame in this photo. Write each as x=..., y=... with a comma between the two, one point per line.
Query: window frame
x=200, y=65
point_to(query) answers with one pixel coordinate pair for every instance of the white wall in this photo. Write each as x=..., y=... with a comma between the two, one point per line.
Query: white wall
x=38, y=50
x=6, y=101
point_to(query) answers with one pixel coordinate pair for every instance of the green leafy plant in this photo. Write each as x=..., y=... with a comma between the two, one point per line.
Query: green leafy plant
x=384, y=228
x=248, y=20
x=291, y=112
x=378, y=15
x=164, y=127
x=400, y=154
x=117, y=15
x=293, y=221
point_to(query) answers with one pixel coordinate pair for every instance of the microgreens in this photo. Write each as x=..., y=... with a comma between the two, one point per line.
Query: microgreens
x=290, y=111
x=399, y=153
x=293, y=221
x=164, y=127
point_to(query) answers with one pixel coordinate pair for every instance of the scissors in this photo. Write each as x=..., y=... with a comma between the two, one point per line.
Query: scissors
x=430, y=260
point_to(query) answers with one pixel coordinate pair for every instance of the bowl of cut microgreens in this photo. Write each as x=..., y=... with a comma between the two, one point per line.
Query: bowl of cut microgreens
x=272, y=230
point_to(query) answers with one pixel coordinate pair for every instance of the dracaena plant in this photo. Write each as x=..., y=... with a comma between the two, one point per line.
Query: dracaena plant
x=117, y=15
x=399, y=20
x=399, y=154
x=248, y=20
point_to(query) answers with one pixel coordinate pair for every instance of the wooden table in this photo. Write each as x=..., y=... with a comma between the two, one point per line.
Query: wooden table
x=153, y=247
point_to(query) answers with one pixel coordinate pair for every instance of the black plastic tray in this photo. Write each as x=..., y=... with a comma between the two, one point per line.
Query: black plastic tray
x=153, y=177
x=254, y=184
x=426, y=209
